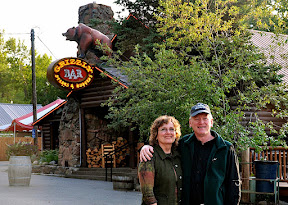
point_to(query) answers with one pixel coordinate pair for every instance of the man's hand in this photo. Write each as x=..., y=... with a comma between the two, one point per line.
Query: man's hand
x=146, y=153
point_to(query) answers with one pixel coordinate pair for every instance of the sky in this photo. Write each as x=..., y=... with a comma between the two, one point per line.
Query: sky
x=49, y=19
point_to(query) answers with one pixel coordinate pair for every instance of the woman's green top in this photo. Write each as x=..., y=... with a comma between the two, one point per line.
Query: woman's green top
x=161, y=178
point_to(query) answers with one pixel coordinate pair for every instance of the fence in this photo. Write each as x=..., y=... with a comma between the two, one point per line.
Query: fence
x=10, y=140
x=272, y=154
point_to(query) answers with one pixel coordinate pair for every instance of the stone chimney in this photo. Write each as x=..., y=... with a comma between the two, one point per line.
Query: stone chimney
x=98, y=13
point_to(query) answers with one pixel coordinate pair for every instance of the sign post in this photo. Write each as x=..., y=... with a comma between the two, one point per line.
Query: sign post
x=33, y=133
x=34, y=94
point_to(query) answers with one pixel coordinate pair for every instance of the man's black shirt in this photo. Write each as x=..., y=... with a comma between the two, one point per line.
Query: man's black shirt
x=198, y=172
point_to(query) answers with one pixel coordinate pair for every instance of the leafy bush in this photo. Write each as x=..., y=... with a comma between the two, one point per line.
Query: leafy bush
x=49, y=155
x=21, y=149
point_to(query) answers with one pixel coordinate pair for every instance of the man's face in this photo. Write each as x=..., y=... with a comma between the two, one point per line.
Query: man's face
x=201, y=124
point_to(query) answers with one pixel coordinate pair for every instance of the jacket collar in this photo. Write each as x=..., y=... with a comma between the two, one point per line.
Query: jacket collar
x=219, y=141
x=162, y=153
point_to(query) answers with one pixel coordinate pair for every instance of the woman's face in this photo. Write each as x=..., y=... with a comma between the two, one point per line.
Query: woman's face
x=166, y=134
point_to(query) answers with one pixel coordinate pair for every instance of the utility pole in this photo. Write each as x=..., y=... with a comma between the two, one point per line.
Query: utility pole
x=34, y=94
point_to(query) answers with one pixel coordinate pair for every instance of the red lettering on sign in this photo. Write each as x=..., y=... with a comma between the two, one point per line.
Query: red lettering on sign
x=73, y=74
x=70, y=73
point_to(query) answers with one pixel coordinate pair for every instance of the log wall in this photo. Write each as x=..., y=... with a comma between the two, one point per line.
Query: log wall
x=97, y=93
x=49, y=131
x=265, y=115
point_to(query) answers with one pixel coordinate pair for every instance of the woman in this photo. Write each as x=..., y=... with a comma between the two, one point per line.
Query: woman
x=161, y=178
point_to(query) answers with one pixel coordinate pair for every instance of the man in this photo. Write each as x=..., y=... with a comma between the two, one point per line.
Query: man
x=209, y=163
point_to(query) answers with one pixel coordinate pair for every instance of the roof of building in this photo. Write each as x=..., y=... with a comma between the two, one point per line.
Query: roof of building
x=117, y=74
x=274, y=47
x=9, y=112
x=50, y=109
x=24, y=123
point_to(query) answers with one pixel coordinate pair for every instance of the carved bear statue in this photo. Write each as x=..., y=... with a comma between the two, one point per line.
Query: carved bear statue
x=86, y=38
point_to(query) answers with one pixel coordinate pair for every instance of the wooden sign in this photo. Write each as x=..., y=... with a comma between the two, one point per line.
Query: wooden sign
x=70, y=73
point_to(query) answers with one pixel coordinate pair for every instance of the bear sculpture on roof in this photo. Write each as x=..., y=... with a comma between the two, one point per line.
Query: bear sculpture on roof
x=88, y=39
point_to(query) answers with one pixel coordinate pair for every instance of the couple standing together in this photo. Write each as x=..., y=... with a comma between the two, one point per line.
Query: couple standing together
x=200, y=168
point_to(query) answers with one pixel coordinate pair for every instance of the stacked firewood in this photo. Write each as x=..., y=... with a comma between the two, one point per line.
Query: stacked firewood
x=121, y=154
x=94, y=155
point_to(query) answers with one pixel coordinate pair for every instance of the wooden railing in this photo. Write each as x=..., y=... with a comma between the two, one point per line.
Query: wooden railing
x=279, y=154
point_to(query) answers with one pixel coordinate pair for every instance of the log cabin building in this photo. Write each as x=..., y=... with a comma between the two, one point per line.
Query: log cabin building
x=49, y=126
x=78, y=128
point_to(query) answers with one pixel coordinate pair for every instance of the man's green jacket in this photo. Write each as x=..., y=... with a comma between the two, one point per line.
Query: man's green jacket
x=222, y=178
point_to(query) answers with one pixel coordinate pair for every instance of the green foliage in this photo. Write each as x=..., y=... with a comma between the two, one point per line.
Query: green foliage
x=46, y=93
x=140, y=29
x=16, y=76
x=21, y=149
x=49, y=155
x=142, y=9
x=207, y=56
x=129, y=28
x=267, y=15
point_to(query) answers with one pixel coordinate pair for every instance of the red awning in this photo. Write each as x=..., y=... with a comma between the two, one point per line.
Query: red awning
x=24, y=123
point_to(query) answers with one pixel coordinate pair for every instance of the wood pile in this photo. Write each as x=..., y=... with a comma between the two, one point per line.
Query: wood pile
x=94, y=155
x=122, y=154
x=94, y=158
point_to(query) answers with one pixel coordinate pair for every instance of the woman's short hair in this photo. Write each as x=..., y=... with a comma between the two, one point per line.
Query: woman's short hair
x=165, y=119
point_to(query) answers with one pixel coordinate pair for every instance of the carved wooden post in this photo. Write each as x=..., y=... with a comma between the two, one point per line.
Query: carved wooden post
x=245, y=175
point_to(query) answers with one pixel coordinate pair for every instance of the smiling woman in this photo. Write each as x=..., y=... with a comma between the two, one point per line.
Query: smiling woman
x=166, y=137
x=162, y=126
x=162, y=176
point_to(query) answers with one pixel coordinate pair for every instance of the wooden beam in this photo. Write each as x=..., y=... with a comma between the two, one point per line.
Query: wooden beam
x=245, y=176
x=92, y=104
x=98, y=89
x=97, y=93
x=51, y=136
x=95, y=98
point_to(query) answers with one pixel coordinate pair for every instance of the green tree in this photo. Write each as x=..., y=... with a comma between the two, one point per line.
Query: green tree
x=139, y=29
x=207, y=56
x=268, y=15
x=4, y=79
x=145, y=10
x=265, y=15
x=16, y=74
x=17, y=59
x=46, y=93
